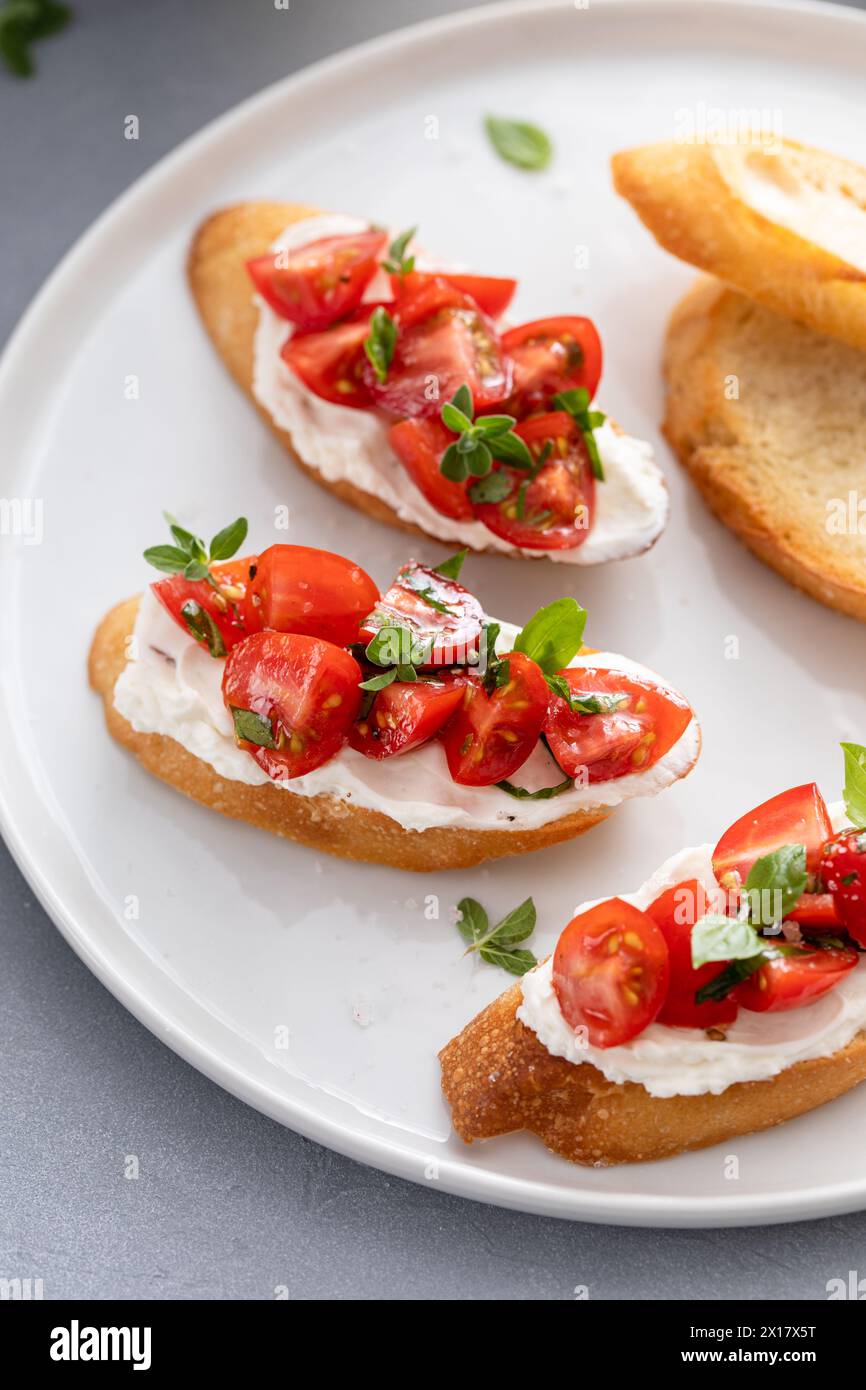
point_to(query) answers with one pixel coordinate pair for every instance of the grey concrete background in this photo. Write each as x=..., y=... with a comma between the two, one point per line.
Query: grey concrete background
x=229, y=1204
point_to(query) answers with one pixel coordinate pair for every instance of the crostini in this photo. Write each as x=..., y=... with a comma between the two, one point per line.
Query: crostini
x=398, y=385
x=765, y=365
x=726, y=995
x=405, y=728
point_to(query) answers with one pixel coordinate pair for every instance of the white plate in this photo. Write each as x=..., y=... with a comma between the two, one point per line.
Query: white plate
x=238, y=936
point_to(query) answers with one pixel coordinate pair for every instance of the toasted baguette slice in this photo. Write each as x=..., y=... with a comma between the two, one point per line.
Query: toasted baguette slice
x=749, y=216
x=324, y=823
x=498, y=1078
x=776, y=464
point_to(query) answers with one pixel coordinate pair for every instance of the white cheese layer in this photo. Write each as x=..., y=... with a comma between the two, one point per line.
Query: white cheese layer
x=669, y=1061
x=346, y=445
x=173, y=687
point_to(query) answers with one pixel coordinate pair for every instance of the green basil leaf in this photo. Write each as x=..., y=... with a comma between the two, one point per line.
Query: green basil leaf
x=451, y=567
x=720, y=986
x=596, y=704
x=554, y=635
x=228, y=542
x=252, y=728
x=519, y=142
x=543, y=793
x=855, y=783
x=776, y=882
x=203, y=627
x=575, y=402
x=472, y=924
x=715, y=937
x=379, y=682
x=515, y=962
x=398, y=262
x=495, y=487
x=169, y=559
x=428, y=596
x=380, y=342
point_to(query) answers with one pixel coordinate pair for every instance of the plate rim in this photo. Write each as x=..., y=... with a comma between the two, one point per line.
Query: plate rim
x=380, y=1150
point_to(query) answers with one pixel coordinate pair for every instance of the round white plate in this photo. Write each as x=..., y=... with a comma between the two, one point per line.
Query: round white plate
x=254, y=958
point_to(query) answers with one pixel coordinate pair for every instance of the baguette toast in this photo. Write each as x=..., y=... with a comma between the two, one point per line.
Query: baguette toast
x=324, y=823
x=498, y=1078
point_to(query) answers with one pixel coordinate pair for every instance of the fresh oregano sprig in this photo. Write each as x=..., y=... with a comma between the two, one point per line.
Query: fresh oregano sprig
x=397, y=262
x=190, y=556
x=498, y=945
x=479, y=441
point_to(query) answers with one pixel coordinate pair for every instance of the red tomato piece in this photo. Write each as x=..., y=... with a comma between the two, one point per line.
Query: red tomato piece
x=795, y=817
x=225, y=608
x=331, y=363
x=444, y=619
x=491, y=294
x=320, y=282
x=491, y=736
x=553, y=510
x=443, y=342
x=296, y=588
x=789, y=982
x=404, y=715
x=419, y=445
x=843, y=871
x=816, y=910
x=645, y=724
x=675, y=913
x=551, y=355
x=610, y=972
x=305, y=694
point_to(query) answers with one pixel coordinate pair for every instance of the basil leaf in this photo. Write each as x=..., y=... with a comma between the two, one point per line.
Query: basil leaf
x=494, y=488
x=554, y=635
x=431, y=600
x=775, y=883
x=166, y=558
x=715, y=937
x=519, y=142
x=515, y=962
x=396, y=646
x=451, y=567
x=379, y=682
x=720, y=986
x=472, y=924
x=398, y=263
x=253, y=728
x=855, y=783
x=510, y=448
x=229, y=541
x=203, y=627
x=543, y=793
x=576, y=403
x=380, y=342
x=597, y=704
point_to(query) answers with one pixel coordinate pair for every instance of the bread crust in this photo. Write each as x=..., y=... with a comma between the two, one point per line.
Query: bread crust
x=762, y=460
x=324, y=823
x=690, y=198
x=498, y=1078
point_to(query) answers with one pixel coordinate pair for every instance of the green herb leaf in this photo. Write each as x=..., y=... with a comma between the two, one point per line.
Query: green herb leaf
x=24, y=22
x=393, y=645
x=720, y=986
x=380, y=342
x=494, y=488
x=196, y=569
x=379, y=682
x=855, y=783
x=776, y=882
x=543, y=793
x=431, y=600
x=453, y=465
x=228, y=542
x=576, y=403
x=169, y=559
x=253, y=728
x=510, y=448
x=716, y=937
x=496, y=424
x=398, y=263
x=451, y=567
x=203, y=627
x=193, y=545
x=519, y=142
x=454, y=419
x=479, y=460
x=462, y=400
x=515, y=962
x=554, y=635
x=472, y=924
x=517, y=925
x=497, y=945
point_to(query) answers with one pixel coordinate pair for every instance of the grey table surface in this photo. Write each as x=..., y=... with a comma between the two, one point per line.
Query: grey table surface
x=228, y=1203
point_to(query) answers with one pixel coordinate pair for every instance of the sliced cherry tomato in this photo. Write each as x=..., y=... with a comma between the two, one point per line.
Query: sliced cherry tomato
x=491, y=736
x=445, y=620
x=295, y=588
x=491, y=294
x=843, y=871
x=675, y=913
x=795, y=817
x=551, y=355
x=644, y=724
x=419, y=445
x=553, y=510
x=331, y=363
x=443, y=341
x=789, y=982
x=816, y=910
x=305, y=694
x=320, y=282
x=404, y=715
x=218, y=618
x=610, y=972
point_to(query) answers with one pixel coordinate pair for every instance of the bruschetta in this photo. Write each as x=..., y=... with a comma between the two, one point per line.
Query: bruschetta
x=765, y=365
x=405, y=727
x=400, y=387
x=726, y=995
